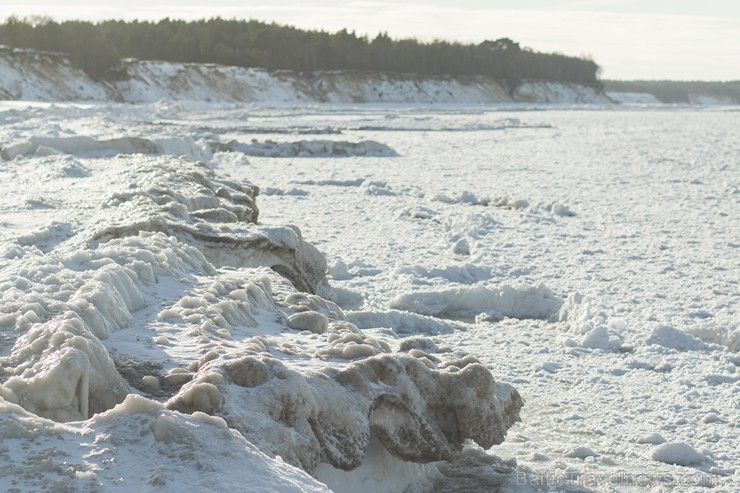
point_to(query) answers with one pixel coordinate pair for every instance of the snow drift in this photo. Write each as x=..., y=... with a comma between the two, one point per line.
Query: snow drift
x=137, y=446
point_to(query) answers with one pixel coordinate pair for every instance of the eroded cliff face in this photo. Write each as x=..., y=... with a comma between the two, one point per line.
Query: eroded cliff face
x=31, y=75
x=45, y=76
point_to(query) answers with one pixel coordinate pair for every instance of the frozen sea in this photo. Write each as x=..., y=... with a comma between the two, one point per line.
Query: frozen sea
x=586, y=255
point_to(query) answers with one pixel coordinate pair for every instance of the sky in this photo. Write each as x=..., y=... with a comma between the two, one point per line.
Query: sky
x=629, y=39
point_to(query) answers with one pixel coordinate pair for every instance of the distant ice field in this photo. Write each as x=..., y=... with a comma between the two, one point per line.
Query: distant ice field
x=630, y=218
x=588, y=256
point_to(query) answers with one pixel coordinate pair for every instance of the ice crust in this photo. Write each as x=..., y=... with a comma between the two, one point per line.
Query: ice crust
x=153, y=274
x=235, y=332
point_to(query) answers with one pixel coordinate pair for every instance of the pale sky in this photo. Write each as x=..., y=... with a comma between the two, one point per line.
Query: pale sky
x=629, y=39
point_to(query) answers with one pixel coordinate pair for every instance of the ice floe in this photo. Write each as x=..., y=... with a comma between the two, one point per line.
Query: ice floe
x=307, y=148
x=537, y=302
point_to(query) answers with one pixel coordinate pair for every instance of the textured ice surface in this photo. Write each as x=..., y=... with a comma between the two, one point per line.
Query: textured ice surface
x=153, y=274
x=163, y=297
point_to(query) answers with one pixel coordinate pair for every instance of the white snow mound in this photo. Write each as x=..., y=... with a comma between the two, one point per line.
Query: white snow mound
x=680, y=454
x=523, y=302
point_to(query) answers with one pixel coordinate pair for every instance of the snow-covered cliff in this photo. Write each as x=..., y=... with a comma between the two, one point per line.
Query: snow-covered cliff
x=44, y=76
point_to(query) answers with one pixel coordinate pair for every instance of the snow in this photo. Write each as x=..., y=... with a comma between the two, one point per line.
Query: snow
x=308, y=148
x=681, y=454
x=46, y=76
x=557, y=93
x=42, y=76
x=137, y=446
x=635, y=98
x=375, y=322
x=506, y=301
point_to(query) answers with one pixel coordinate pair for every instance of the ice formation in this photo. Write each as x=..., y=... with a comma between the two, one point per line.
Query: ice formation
x=158, y=328
x=522, y=302
x=306, y=148
x=677, y=453
x=172, y=290
x=92, y=147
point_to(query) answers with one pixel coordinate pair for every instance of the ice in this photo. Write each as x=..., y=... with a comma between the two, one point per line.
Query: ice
x=403, y=399
x=400, y=321
x=381, y=472
x=522, y=302
x=170, y=289
x=633, y=98
x=672, y=338
x=137, y=445
x=181, y=336
x=652, y=438
x=556, y=93
x=680, y=454
x=307, y=148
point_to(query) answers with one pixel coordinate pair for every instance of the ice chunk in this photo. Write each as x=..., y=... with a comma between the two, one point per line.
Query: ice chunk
x=310, y=320
x=681, y=454
x=537, y=302
x=582, y=453
x=672, y=338
x=596, y=338
x=396, y=397
x=652, y=438
x=59, y=370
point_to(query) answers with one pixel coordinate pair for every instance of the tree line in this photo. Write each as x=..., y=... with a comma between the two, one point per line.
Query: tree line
x=98, y=46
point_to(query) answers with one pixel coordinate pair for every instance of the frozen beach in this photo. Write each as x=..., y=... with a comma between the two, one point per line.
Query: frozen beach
x=198, y=296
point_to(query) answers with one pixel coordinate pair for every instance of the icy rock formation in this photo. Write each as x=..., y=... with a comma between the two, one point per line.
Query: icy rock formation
x=421, y=408
x=321, y=395
x=62, y=372
x=306, y=148
x=58, y=308
x=170, y=288
x=184, y=199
